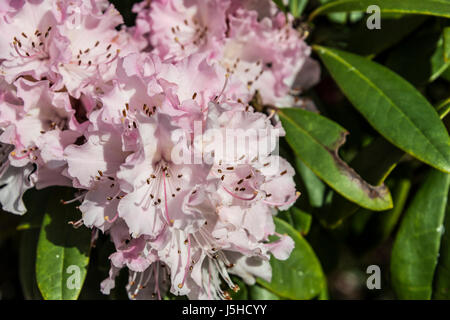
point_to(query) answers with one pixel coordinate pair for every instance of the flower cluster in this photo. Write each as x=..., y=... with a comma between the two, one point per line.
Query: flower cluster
x=140, y=120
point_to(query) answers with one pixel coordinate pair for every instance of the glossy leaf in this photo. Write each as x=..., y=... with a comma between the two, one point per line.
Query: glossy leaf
x=391, y=105
x=62, y=251
x=300, y=276
x=439, y=8
x=316, y=140
x=296, y=7
x=416, y=247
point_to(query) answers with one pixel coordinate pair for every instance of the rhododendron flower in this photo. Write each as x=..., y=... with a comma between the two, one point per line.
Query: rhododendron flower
x=152, y=126
x=71, y=43
x=251, y=41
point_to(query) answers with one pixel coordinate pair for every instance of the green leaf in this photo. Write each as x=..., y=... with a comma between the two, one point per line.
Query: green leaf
x=301, y=220
x=296, y=7
x=366, y=42
x=315, y=188
x=259, y=293
x=61, y=248
x=28, y=242
x=416, y=247
x=391, y=105
x=374, y=163
x=383, y=223
x=316, y=140
x=342, y=17
x=447, y=44
x=440, y=8
x=438, y=60
x=424, y=50
x=446, y=75
x=442, y=276
x=300, y=276
x=324, y=295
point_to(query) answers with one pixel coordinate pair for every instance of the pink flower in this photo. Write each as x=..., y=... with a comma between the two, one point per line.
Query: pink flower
x=27, y=43
x=92, y=47
x=252, y=41
x=27, y=125
x=267, y=55
x=74, y=44
x=38, y=124
x=179, y=28
x=152, y=126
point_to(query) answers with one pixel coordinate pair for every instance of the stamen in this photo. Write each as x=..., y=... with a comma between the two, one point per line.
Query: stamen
x=187, y=263
x=76, y=224
x=255, y=193
x=275, y=204
x=73, y=200
x=169, y=221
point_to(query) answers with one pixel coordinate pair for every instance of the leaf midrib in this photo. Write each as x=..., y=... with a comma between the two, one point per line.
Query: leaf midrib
x=371, y=84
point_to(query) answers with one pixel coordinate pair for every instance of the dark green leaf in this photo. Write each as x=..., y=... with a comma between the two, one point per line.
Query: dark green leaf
x=366, y=42
x=439, y=8
x=383, y=223
x=416, y=247
x=424, y=50
x=391, y=105
x=300, y=276
x=316, y=140
x=61, y=248
x=446, y=75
